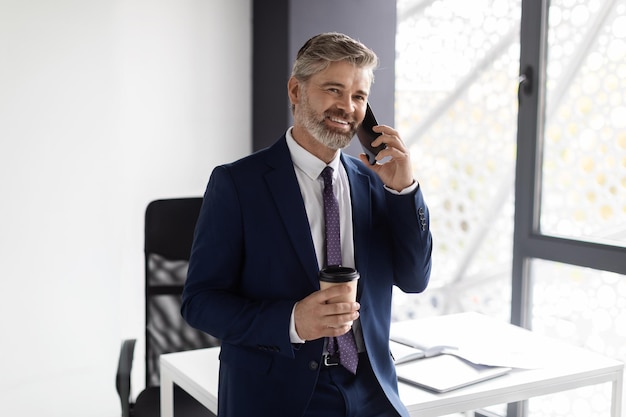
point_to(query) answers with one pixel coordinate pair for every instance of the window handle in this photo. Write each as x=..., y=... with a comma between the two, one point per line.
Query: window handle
x=525, y=82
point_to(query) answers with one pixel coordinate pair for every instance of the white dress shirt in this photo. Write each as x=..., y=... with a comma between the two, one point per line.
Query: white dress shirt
x=308, y=169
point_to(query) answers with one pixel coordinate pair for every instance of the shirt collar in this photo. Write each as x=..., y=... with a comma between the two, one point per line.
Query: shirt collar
x=308, y=163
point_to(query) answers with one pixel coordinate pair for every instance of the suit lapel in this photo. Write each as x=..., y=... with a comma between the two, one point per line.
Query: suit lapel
x=283, y=186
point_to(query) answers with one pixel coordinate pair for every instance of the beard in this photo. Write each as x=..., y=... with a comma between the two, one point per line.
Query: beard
x=316, y=126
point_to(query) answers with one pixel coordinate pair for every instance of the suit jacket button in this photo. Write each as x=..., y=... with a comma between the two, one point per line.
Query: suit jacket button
x=313, y=365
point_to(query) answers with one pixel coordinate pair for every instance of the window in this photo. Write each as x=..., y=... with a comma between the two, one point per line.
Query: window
x=457, y=72
x=527, y=189
x=583, y=192
x=571, y=211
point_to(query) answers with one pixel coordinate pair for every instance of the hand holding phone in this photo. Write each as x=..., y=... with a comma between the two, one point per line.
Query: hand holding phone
x=366, y=135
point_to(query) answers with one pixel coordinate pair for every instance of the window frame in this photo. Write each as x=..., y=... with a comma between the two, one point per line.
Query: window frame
x=528, y=241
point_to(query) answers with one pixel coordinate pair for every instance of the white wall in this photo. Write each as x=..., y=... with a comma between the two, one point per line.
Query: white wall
x=104, y=106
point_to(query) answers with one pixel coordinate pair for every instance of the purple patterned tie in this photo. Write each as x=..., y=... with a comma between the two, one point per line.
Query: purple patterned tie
x=345, y=344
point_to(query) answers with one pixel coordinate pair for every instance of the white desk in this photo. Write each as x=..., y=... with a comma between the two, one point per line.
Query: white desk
x=563, y=368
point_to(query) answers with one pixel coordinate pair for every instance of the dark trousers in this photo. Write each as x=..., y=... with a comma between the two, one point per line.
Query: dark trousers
x=340, y=394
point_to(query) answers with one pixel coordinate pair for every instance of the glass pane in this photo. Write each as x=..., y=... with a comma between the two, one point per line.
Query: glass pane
x=584, y=160
x=584, y=307
x=457, y=70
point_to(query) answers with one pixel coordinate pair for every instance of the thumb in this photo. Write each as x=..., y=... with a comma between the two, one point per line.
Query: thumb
x=365, y=160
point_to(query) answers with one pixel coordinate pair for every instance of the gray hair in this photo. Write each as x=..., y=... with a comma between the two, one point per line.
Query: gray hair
x=319, y=51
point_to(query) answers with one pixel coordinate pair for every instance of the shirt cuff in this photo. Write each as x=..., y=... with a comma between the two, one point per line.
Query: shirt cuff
x=293, y=335
x=407, y=190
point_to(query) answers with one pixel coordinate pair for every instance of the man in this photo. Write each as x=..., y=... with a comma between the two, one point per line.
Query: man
x=260, y=243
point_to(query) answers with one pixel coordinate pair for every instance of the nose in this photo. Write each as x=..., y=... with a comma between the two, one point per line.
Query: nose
x=346, y=104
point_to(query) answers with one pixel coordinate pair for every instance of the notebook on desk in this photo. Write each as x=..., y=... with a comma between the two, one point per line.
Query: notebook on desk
x=445, y=373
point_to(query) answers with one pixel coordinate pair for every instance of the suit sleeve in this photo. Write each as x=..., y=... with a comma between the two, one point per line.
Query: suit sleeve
x=412, y=240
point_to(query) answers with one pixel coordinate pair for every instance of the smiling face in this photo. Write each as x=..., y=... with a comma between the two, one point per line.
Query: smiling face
x=328, y=107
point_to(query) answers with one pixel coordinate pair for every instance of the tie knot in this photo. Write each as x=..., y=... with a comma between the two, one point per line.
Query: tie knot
x=327, y=175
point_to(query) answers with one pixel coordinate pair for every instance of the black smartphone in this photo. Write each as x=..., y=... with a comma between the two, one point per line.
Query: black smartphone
x=366, y=136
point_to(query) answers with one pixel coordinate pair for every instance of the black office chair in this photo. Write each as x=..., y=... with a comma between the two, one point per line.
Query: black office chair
x=169, y=227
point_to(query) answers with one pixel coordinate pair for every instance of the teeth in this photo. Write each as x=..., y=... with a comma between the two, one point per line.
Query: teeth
x=339, y=121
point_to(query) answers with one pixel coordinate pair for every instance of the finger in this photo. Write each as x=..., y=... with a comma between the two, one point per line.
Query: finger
x=332, y=292
x=396, y=154
x=341, y=320
x=391, y=140
x=337, y=331
x=314, y=319
x=386, y=130
x=392, y=134
x=335, y=309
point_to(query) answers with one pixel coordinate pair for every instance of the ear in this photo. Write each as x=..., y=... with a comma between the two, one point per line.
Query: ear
x=293, y=88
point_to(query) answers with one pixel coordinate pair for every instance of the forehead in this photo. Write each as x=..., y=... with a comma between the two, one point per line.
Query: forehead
x=346, y=74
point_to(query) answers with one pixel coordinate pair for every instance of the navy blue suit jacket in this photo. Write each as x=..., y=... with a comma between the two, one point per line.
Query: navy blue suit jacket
x=253, y=259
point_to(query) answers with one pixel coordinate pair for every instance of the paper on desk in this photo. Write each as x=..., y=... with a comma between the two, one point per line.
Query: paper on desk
x=487, y=354
x=404, y=353
x=496, y=357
